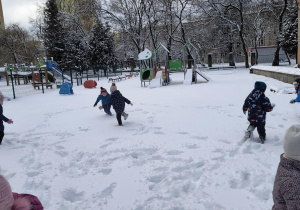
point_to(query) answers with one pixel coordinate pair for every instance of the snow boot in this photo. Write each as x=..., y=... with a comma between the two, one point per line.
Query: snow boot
x=262, y=139
x=125, y=115
x=249, y=132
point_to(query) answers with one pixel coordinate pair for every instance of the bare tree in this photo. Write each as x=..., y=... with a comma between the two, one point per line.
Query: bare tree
x=18, y=46
x=281, y=9
x=232, y=12
x=128, y=16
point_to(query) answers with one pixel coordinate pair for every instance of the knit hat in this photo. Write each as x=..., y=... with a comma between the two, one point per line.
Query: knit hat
x=291, y=145
x=1, y=98
x=260, y=86
x=113, y=87
x=103, y=90
x=297, y=82
x=6, y=196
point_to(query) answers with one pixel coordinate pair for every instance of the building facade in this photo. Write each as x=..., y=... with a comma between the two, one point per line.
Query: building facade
x=2, y=26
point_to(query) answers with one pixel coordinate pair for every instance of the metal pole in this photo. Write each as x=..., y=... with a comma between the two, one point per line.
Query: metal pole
x=62, y=74
x=77, y=78
x=71, y=75
x=12, y=83
x=41, y=79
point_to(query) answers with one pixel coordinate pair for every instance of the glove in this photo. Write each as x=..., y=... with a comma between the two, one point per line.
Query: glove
x=131, y=104
x=10, y=121
x=100, y=107
x=273, y=105
x=95, y=104
x=292, y=101
x=245, y=111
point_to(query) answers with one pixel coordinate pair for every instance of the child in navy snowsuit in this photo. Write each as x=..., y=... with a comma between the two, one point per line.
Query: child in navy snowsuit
x=297, y=88
x=257, y=105
x=118, y=102
x=2, y=118
x=104, y=97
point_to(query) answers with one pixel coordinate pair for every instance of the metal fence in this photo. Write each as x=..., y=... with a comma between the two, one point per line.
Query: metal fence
x=13, y=85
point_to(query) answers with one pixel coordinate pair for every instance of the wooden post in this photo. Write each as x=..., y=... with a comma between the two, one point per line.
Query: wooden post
x=209, y=60
x=231, y=59
x=253, y=58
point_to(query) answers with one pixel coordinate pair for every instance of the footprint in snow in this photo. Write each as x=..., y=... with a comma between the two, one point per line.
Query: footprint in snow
x=71, y=195
x=200, y=137
x=174, y=152
x=108, y=191
x=111, y=139
x=105, y=171
x=182, y=132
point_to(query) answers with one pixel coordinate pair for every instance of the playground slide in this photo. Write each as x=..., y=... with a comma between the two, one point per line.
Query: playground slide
x=188, y=77
x=156, y=82
x=203, y=75
x=57, y=71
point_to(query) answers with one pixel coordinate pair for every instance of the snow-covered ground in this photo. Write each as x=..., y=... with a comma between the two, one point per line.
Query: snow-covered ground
x=180, y=148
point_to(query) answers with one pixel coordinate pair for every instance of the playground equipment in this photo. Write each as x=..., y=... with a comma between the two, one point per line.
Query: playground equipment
x=66, y=89
x=146, y=66
x=191, y=75
x=163, y=76
x=40, y=76
x=152, y=70
x=17, y=73
x=90, y=84
x=52, y=65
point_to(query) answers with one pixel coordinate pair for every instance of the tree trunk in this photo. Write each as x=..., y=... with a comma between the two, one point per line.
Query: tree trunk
x=241, y=33
x=276, y=56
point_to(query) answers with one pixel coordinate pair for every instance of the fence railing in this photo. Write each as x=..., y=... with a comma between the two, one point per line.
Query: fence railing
x=14, y=85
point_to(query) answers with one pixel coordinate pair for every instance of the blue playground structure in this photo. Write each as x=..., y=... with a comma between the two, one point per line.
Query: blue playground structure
x=66, y=89
x=52, y=65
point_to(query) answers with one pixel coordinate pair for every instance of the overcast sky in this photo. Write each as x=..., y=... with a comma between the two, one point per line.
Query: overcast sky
x=19, y=11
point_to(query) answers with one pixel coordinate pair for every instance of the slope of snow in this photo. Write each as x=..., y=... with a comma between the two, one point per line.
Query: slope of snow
x=188, y=77
x=156, y=82
x=180, y=148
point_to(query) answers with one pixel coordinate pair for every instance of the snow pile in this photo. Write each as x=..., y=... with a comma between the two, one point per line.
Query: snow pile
x=180, y=148
x=283, y=90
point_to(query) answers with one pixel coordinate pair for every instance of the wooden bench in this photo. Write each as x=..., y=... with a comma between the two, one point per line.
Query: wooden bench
x=122, y=77
x=38, y=85
x=116, y=78
x=113, y=79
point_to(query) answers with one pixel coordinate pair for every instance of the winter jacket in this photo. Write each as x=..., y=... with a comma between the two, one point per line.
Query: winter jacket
x=286, y=191
x=257, y=105
x=2, y=118
x=35, y=203
x=298, y=95
x=104, y=100
x=117, y=101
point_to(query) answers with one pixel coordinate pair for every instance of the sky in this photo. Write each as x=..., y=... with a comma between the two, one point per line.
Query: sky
x=19, y=11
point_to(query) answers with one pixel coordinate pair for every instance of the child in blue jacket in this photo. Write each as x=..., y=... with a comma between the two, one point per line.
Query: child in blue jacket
x=257, y=105
x=297, y=88
x=117, y=100
x=2, y=118
x=104, y=97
